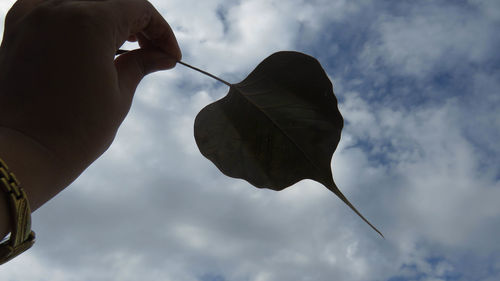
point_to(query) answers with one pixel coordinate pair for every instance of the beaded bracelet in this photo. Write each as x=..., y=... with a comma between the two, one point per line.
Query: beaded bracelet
x=21, y=236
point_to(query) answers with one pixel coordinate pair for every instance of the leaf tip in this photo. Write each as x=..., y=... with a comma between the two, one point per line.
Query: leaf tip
x=336, y=190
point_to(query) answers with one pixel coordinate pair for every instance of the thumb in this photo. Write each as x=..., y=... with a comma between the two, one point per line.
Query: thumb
x=132, y=66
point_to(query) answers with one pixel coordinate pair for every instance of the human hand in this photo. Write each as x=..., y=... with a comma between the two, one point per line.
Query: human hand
x=60, y=83
x=63, y=94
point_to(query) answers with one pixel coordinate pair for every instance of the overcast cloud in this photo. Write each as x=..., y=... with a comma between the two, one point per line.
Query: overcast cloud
x=418, y=84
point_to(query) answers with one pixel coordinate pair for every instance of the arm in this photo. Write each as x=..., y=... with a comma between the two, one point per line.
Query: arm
x=63, y=94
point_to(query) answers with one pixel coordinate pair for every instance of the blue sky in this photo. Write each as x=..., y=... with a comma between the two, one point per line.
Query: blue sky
x=418, y=85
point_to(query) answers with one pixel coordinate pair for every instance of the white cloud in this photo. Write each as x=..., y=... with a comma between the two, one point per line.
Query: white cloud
x=438, y=166
x=429, y=38
x=223, y=36
x=489, y=8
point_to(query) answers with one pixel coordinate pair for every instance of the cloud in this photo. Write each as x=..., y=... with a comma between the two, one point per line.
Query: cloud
x=438, y=167
x=429, y=38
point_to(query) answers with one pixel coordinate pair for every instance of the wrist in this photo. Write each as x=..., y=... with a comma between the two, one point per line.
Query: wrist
x=21, y=236
x=41, y=173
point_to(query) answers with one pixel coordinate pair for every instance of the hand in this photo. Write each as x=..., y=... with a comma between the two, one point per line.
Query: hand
x=59, y=82
x=63, y=94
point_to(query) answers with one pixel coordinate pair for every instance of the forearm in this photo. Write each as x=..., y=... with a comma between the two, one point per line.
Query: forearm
x=41, y=174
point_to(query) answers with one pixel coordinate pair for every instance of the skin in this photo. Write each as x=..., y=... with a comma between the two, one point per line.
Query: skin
x=63, y=94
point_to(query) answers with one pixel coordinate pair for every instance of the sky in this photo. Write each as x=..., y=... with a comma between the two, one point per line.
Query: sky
x=418, y=86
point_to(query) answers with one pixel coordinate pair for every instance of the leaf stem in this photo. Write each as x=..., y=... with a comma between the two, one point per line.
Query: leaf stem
x=206, y=73
x=120, y=51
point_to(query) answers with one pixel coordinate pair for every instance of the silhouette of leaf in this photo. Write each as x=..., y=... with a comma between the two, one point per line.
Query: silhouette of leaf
x=278, y=126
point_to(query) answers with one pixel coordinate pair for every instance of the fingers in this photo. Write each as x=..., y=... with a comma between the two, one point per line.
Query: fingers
x=134, y=65
x=139, y=20
x=139, y=16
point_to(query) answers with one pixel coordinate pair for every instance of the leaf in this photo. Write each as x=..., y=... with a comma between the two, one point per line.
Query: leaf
x=278, y=126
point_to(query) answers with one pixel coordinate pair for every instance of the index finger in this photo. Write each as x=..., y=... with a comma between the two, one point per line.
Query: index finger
x=139, y=16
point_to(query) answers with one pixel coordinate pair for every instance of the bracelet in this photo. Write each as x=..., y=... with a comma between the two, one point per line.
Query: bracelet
x=21, y=236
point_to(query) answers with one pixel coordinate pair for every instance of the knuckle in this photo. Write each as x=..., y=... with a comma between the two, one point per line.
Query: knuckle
x=72, y=14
